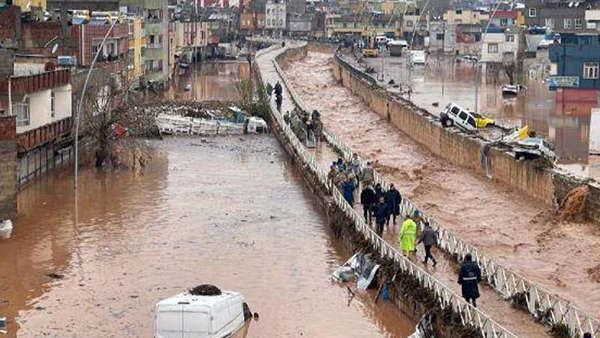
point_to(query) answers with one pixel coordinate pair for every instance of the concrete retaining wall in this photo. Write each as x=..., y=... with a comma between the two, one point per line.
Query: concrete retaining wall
x=406, y=291
x=547, y=185
x=449, y=143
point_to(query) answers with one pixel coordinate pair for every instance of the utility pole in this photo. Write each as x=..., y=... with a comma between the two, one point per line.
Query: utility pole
x=80, y=105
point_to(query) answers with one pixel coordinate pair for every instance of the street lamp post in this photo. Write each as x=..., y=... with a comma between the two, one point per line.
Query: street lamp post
x=79, y=106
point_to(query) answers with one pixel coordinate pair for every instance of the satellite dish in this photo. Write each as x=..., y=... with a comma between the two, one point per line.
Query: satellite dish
x=54, y=48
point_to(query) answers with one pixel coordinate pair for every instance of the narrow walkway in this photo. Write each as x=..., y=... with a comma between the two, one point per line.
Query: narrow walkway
x=490, y=302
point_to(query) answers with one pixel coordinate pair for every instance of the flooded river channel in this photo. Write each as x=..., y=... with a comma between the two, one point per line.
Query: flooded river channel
x=228, y=211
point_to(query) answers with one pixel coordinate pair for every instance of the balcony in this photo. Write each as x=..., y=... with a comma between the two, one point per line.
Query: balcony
x=50, y=132
x=37, y=82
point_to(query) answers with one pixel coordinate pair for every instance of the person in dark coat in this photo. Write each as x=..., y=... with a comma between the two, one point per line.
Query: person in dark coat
x=348, y=188
x=378, y=192
x=469, y=276
x=269, y=89
x=380, y=215
x=429, y=238
x=367, y=199
x=278, y=89
x=340, y=164
x=393, y=199
x=278, y=101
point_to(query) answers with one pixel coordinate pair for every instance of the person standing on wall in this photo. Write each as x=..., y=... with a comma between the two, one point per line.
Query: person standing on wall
x=429, y=238
x=468, y=278
x=367, y=199
x=408, y=236
x=380, y=215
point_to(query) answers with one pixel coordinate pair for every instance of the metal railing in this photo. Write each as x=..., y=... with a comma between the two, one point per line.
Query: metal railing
x=469, y=315
x=542, y=304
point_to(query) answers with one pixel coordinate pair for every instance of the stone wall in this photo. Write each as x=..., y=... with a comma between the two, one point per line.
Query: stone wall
x=8, y=168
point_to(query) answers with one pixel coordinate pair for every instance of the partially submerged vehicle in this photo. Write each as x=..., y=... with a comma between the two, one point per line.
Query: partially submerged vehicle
x=360, y=266
x=532, y=148
x=417, y=57
x=217, y=315
x=455, y=115
x=512, y=90
x=396, y=47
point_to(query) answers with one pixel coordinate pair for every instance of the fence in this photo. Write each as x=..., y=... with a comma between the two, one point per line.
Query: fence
x=542, y=304
x=469, y=315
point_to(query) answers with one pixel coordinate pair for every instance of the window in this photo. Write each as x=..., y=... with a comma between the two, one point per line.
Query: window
x=578, y=23
x=492, y=48
x=463, y=116
x=439, y=36
x=532, y=12
x=52, y=100
x=549, y=22
x=568, y=23
x=590, y=70
x=459, y=11
x=471, y=121
x=21, y=109
x=160, y=65
x=510, y=38
x=160, y=40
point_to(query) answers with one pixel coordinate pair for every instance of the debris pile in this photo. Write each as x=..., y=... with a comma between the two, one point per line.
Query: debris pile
x=205, y=290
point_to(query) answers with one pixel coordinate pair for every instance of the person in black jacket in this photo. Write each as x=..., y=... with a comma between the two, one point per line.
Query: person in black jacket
x=278, y=89
x=381, y=214
x=378, y=192
x=469, y=276
x=367, y=199
x=393, y=199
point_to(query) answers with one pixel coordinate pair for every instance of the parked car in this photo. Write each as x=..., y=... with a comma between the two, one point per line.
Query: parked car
x=187, y=315
x=454, y=114
x=532, y=148
x=417, y=57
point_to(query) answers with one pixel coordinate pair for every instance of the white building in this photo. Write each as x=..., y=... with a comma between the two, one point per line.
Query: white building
x=500, y=45
x=275, y=14
x=40, y=104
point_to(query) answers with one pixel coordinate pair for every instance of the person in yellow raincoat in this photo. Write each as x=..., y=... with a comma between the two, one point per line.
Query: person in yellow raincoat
x=408, y=236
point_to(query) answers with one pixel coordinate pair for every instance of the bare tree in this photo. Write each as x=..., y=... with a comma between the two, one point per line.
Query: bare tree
x=509, y=68
x=111, y=111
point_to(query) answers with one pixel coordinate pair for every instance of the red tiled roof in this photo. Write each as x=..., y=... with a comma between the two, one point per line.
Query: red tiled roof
x=505, y=15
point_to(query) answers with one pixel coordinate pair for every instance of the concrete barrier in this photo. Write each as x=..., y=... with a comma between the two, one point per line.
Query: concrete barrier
x=415, y=285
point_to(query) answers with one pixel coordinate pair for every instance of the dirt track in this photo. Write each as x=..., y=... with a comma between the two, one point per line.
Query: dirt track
x=515, y=230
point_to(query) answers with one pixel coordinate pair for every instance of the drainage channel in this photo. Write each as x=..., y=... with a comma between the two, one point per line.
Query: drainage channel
x=469, y=315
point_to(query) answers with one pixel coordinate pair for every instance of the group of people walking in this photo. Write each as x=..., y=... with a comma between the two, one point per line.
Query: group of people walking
x=383, y=206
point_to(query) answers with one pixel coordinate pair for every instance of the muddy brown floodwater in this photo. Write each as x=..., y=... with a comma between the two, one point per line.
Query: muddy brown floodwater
x=227, y=211
x=209, y=81
x=512, y=228
x=572, y=127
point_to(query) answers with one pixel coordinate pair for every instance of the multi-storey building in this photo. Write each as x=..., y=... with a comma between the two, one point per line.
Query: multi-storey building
x=275, y=15
x=559, y=15
x=155, y=14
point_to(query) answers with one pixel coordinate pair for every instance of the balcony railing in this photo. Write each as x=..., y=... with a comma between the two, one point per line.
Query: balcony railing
x=34, y=138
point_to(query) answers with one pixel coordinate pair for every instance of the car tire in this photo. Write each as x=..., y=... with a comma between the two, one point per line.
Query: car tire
x=447, y=122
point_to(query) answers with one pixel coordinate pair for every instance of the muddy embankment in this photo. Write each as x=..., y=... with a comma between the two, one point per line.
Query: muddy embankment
x=406, y=291
x=548, y=185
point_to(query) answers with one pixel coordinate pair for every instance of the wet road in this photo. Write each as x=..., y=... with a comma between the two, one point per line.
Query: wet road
x=572, y=127
x=210, y=81
x=516, y=231
x=229, y=211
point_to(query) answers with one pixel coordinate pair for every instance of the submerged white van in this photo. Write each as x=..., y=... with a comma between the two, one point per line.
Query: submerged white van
x=191, y=316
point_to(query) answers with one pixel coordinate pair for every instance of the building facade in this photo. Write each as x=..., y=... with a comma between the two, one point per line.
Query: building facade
x=559, y=16
x=275, y=15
